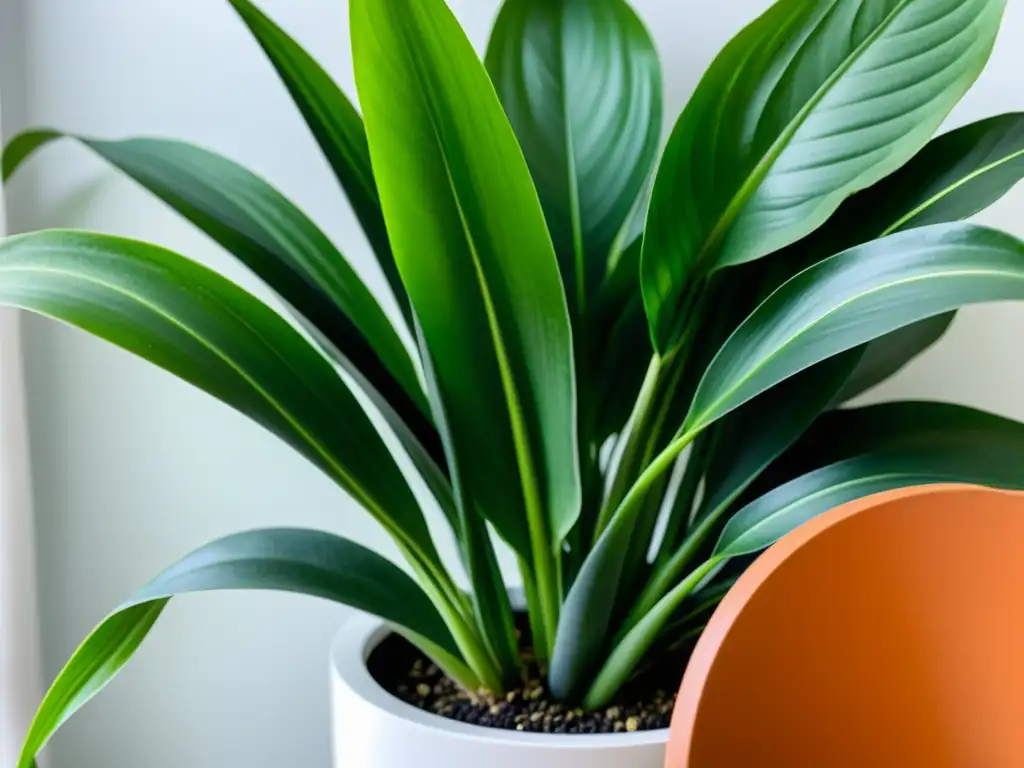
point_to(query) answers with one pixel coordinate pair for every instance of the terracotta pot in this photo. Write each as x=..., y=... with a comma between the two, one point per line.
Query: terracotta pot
x=889, y=631
x=373, y=729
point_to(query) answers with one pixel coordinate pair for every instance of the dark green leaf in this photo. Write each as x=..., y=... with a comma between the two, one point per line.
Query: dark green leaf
x=286, y=560
x=470, y=241
x=744, y=444
x=849, y=432
x=750, y=438
x=955, y=176
x=278, y=242
x=854, y=297
x=997, y=462
x=338, y=130
x=887, y=355
x=581, y=84
x=809, y=104
x=197, y=325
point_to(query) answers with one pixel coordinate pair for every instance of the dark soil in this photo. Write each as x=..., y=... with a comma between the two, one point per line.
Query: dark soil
x=645, y=704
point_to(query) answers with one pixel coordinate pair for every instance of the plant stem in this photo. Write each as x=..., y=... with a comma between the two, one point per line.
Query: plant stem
x=437, y=583
x=541, y=649
x=679, y=516
x=663, y=578
x=632, y=452
x=630, y=650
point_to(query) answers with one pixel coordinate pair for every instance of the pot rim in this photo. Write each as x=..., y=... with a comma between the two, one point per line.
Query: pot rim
x=361, y=634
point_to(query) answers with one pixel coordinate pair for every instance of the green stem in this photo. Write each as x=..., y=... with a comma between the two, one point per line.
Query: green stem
x=541, y=649
x=636, y=442
x=679, y=516
x=666, y=575
x=438, y=585
x=638, y=640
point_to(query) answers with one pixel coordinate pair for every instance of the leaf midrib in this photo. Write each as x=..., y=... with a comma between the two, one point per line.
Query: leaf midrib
x=816, y=322
x=350, y=485
x=945, y=192
x=760, y=171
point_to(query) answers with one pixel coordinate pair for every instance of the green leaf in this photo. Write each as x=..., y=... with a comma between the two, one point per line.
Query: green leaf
x=278, y=242
x=887, y=355
x=955, y=176
x=807, y=105
x=195, y=324
x=990, y=453
x=744, y=444
x=854, y=297
x=849, y=432
x=471, y=244
x=581, y=85
x=337, y=128
x=997, y=463
x=287, y=560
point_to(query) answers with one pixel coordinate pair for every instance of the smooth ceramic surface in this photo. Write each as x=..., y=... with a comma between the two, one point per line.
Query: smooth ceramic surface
x=372, y=729
x=887, y=632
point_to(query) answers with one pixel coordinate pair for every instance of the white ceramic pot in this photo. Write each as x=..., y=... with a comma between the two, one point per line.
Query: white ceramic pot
x=373, y=729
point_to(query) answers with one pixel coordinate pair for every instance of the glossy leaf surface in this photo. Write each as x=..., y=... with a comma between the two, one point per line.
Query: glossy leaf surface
x=471, y=244
x=338, y=130
x=287, y=560
x=810, y=103
x=278, y=242
x=581, y=84
x=204, y=329
x=855, y=297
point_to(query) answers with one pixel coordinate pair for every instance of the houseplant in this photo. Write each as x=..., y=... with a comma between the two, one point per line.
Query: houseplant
x=597, y=375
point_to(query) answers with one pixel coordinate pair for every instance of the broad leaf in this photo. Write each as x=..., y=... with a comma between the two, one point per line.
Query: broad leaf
x=854, y=297
x=278, y=242
x=887, y=355
x=809, y=104
x=955, y=176
x=337, y=128
x=204, y=329
x=287, y=560
x=581, y=84
x=471, y=244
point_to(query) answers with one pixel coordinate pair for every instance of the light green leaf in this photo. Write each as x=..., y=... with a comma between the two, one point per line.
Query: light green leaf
x=286, y=560
x=581, y=84
x=192, y=322
x=278, y=242
x=337, y=128
x=471, y=244
x=854, y=297
x=810, y=103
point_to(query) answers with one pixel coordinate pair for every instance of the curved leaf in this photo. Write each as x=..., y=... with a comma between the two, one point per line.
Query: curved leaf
x=854, y=297
x=278, y=242
x=886, y=356
x=286, y=560
x=744, y=444
x=993, y=457
x=764, y=521
x=581, y=85
x=955, y=176
x=338, y=130
x=471, y=244
x=849, y=432
x=809, y=104
x=204, y=329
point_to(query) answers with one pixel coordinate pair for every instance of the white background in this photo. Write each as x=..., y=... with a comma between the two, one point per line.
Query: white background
x=132, y=468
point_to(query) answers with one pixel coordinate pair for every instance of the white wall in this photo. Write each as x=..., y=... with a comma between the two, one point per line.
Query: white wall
x=133, y=468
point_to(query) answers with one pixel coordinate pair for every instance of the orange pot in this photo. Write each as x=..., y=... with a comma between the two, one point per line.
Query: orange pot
x=887, y=632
